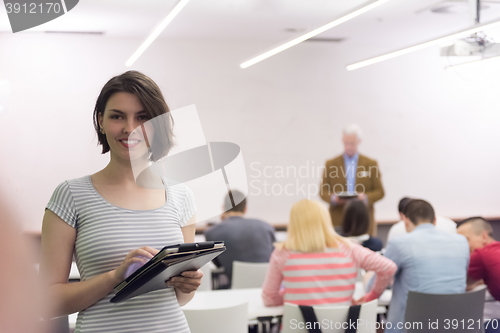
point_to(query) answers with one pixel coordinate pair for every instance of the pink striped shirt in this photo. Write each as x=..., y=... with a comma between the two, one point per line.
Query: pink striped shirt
x=323, y=278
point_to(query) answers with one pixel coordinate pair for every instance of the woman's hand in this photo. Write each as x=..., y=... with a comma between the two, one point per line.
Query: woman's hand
x=134, y=259
x=359, y=301
x=188, y=282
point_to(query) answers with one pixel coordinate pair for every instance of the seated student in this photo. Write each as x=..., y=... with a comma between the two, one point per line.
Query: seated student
x=484, y=262
x=429, y=260
x=398, y=229
x=317, y=266
x=248, y=240
x=355, y=224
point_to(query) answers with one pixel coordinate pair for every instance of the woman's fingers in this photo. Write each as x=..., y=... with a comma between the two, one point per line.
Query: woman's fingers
x=142, y=253
x=193, y=274
x=185, y=287
x=145, y=251
x=359, y=301
x=151, y=250
x=134, y=260
x=188, y=282
x=179, y=281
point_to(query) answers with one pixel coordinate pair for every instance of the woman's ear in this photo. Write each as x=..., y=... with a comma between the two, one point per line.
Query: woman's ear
x=99, y=121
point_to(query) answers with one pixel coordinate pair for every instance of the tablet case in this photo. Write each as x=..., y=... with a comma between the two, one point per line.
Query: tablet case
x=172, y=260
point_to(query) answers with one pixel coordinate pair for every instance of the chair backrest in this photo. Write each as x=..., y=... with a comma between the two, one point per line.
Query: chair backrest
x=248, y=274
x=331, y=319
x=232, y=319
x=206, y=280
x=445, y=312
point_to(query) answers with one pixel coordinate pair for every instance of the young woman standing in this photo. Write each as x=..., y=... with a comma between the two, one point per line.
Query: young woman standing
x=111, y=225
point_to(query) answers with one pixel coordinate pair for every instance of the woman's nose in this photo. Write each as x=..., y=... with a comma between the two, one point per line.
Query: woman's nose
x=130, y=126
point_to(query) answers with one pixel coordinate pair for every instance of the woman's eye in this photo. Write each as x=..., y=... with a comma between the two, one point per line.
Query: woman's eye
x=115, y=116
x=143, y=118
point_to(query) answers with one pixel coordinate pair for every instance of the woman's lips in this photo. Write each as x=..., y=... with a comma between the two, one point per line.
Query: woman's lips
x=129, y=143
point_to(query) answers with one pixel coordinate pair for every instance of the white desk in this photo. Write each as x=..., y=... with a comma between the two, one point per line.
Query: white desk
x=229, y=297
x=223, y=298
x=256, y=308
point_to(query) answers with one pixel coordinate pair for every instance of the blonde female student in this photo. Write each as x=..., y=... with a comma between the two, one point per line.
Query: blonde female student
x=111, y=225
x=316, y=266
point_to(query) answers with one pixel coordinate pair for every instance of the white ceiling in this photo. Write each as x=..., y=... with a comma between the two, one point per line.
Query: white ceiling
x=394, y=24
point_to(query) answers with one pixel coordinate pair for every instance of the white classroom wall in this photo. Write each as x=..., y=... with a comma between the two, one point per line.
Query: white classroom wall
x=434, y=133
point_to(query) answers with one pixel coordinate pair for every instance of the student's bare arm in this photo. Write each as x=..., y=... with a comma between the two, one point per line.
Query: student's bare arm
x=58, y=242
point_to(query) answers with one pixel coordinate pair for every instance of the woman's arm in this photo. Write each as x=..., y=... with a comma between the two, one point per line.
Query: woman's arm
x=271, y=293
x=371, y=261
x=58, y=242
x=186, y=285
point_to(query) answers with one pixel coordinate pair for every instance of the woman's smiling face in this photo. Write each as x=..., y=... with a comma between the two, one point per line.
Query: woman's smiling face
x=121, y=123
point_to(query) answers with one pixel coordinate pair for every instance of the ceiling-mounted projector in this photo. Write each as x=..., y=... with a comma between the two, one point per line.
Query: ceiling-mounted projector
x=471, y=46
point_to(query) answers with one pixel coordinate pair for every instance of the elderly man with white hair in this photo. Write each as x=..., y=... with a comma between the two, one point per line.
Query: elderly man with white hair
x=351, y=175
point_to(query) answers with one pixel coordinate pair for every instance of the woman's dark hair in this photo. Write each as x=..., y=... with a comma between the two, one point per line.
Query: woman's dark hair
x=154, y=104
x=356, y=219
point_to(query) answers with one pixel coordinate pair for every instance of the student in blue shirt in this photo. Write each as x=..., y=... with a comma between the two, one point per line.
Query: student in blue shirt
x=428, y=260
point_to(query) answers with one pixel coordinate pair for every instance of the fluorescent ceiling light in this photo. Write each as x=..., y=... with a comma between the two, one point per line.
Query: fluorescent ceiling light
x=156, y=32
x=475, y=62
x=421, y=46
x=283, y=47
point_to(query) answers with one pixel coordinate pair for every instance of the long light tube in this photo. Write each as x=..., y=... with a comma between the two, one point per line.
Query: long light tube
x=423, y=45
x=156, y=32
x=475, y=62
x=313, y=33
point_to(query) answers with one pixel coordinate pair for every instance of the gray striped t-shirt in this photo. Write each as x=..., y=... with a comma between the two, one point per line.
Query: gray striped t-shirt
x=105, y=234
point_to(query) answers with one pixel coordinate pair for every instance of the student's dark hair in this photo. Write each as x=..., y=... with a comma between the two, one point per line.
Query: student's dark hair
x=356, y=220
x=235, y=196
x=403, y=203
x=479, y=224
x=418, y=211
x=154, y=104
